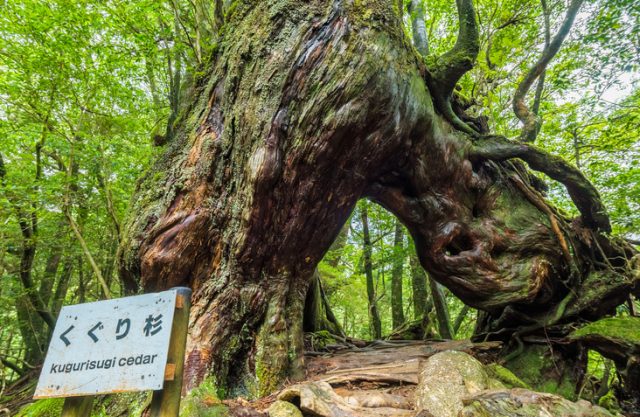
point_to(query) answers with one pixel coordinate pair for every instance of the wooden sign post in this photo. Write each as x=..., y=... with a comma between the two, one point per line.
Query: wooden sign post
x=166, y=403
x=127, y=344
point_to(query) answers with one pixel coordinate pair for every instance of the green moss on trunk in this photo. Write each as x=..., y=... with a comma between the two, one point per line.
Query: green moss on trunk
x=546, y=370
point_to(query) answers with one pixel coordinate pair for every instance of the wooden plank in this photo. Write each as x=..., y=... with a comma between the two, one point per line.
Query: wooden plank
x=170, y=372
x=166, y=402
x=77, y=406
x=386, y=353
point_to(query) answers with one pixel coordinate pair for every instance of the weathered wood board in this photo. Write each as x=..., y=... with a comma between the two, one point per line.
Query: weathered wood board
x=109, y=346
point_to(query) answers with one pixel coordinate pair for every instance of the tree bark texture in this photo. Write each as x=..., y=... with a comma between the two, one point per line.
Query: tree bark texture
x=305, y=108
x=317, y=314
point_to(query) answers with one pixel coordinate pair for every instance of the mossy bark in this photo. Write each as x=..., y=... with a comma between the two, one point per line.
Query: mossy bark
x=554, y=369
x=318, y=315
x=305, y=108
x=617, y=338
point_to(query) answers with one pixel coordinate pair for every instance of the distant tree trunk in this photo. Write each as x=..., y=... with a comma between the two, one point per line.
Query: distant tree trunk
x=51, y=268
x=397, y=312
x=308, y=107
x=85, y=249
x=28, y=323
x=460, y=319
x=82, y=284
x=442, y=310
x=372, y=300
x=62, y=285
x=337, y=246
x=317, y=311
x=33, y=314
x=45, y=290
x=421, y=305
x=416, y=11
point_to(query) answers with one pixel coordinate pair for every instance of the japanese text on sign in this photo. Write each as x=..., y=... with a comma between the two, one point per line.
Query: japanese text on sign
x=109, y=346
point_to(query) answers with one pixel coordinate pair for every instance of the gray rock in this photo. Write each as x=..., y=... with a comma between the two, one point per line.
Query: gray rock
x=284, y=409
x=520, y=402
x=448, y=377
x=454, y=384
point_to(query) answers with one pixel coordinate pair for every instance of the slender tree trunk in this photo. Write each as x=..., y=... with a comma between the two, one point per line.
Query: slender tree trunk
x=45, y=290
x=26, y=269
x=421, y=305
x=87, y=253
x=50, y=270
x=317, y=312
x=338, y=244
x=418, y=26
x=397, y=312
x=174, y=70
x=576, y=149
x=51, y=267
x=153, y=87
x=460, y=318
x=32, y=337
x=442, y=310
x=108, y=196
x=82, y=284
x=28, y=223
x=372, y=300
x=62, y=285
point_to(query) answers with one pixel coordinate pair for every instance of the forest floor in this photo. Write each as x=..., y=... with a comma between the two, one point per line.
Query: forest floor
x=378, y=379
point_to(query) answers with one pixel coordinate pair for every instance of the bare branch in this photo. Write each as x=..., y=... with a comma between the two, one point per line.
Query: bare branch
x=582, y=192
x=453, y=64
x=419, y=28
x=447, y=69
x=515, y=19
x=527, y=116
x=87, y=253
x=218, y=14
x=540, y=86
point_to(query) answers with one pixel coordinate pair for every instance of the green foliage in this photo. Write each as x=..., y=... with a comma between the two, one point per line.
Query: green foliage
x=344, y=279
x=51, y=407
x=131, y=404
x=535, y=367
x=624, y=329
x=321, y=339
x=203, y=401
x=610, y=402
x=84, y=85
x=508, y=378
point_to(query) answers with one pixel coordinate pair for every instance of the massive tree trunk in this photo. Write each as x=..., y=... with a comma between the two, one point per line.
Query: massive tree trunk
x=305, y=108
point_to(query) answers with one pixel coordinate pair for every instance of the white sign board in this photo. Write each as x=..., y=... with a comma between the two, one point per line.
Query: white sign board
x=109, y=346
